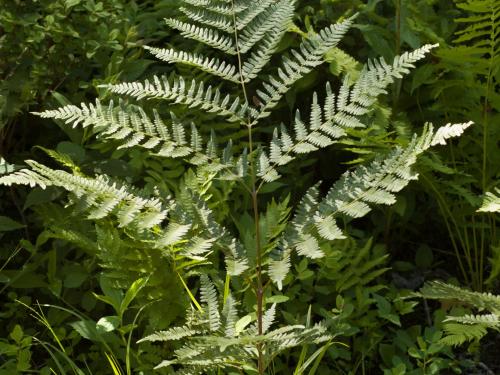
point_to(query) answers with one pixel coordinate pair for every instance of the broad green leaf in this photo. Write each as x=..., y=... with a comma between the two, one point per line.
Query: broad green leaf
x=87, y=329
x=108, y=323
x=132, y=293
x=17, y=333
x=7, y=224
x=112, y=295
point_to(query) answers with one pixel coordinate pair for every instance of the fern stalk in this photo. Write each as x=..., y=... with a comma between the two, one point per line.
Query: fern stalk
x=259, y=289
x=397, y=44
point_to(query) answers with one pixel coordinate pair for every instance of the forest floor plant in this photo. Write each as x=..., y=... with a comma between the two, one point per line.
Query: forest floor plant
x=179, y=234
x=471, y=69
x=483, y=308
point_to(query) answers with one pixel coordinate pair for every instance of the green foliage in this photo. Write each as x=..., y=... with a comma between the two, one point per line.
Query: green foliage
x=155, y=202
x=467, y=66
x=56, y=40
x=491, y=202
x=416, y=352
x=347, y=282
x=16, y=351
x=215, y=339
x=315, y=219
x=473, y=59
x=468, y=327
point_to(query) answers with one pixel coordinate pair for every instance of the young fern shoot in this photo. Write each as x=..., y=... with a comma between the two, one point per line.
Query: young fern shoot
x=243, y=35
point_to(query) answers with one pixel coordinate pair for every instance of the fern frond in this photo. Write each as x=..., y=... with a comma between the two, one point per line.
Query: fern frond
x=461, y=329
x=477, y=48
x=279, y=267
x=25, y=177
x=327, y=123
x=132, y=127
x=268, y=318
x=209, y=298
x=448, y=131
x=253, y=23
x=269, y=17
x=320, y=132
x=230, y=314
x=209, y=347
x=261, y=54
x=352, y=196
x=73, y=236
x=173, y=234
x=198, y=248
x=194, y=95
x=172, y=334
x=209, y=36
x=491, y=202
x=6, y=168
x=207, y=64
x=220, y=16
x=440, y=290
x=488, y=320
x=480, y=36
x=210, y=18
x=223, y=8
x=99, y=197
x=236, y=262
x=301, y=62
x=260, y=27
x=373, y=80
x=377, y=182
x=358, y=267
x=458, y=334
x=244, y=18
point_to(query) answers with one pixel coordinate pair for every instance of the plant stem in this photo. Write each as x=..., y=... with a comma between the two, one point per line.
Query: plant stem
x=397, y=83
x=484, y=169
x=255, y=207
x=260, y=289
x=445, y=212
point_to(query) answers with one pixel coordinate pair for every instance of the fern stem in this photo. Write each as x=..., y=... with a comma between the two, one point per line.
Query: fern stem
x=397, y=83
x=238, y=53
x=255, y=207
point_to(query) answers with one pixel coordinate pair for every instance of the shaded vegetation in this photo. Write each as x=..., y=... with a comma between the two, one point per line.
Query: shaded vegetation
x=240, y=208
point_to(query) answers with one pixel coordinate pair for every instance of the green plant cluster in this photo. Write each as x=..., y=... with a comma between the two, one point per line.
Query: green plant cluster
x=249, y=187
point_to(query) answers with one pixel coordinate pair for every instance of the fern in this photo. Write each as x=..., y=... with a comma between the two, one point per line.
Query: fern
x=491, y=202
x=141, y=233
x=358, y=267
x=461, y=329
x=6, y=168
x=301, y=62
x=99, y=196
x=132, y=127
x=351, y=196
x=193, y=94
x=480, y=36
x=212, y=344
x=439, y=290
